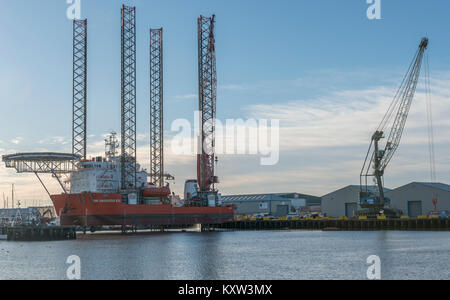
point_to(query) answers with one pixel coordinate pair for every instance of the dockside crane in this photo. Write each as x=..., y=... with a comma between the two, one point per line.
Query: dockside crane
x=373, y=201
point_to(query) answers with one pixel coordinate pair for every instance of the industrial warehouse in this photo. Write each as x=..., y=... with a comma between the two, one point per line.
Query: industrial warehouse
x=413, y=200
x=278, y=205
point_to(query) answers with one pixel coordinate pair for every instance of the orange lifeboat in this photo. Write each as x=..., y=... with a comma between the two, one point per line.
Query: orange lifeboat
x=154, y=191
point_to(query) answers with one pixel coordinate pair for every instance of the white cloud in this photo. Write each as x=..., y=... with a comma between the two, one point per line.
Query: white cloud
x=17, y=140
x=234, y=87
x=349, y=117
x=142, y=137
x=56, y=142
x=187, y=96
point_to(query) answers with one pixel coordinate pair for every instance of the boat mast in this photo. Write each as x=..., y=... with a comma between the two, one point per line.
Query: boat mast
x=12, y=195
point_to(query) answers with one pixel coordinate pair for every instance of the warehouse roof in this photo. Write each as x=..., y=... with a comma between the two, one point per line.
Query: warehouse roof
x=311, y=200
x=357, y=187
x=256, y=197
x=436, y=185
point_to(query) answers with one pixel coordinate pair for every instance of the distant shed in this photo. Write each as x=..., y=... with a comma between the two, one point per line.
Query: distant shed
x=343, y=202
x=279, y=204
x=416, y=198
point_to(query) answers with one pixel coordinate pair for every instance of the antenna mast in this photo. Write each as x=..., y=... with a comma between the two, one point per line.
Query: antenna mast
x=111, y=145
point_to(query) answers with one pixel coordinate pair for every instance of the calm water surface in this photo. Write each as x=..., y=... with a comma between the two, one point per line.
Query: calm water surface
x=234, y=255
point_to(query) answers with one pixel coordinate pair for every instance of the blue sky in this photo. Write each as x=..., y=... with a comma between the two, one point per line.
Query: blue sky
x=270, y=55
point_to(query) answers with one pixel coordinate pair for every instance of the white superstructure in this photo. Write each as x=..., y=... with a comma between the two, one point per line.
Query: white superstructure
x=101, y=176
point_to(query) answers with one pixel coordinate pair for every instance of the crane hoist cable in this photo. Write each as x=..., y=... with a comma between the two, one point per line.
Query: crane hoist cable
x=431, y=149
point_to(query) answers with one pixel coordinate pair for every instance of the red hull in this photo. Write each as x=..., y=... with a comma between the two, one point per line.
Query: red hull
x=90, y=209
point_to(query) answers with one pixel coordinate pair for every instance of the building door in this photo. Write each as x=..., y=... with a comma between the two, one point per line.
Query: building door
x=414, y=208
x=350, y=209
x=282, y=210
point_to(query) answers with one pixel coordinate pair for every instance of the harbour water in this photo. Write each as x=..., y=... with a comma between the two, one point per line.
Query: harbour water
x=233, y=255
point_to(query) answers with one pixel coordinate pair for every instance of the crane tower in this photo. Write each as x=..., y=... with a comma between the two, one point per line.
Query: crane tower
x=207, y=107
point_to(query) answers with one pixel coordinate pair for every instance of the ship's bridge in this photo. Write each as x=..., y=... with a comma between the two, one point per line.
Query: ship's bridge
x=101, y=176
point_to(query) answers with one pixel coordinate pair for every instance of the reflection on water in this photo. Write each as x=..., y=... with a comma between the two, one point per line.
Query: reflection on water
x=234, y=255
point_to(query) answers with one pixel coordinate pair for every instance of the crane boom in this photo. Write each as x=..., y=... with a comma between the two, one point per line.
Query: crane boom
x=378, y=158
x=406, y=95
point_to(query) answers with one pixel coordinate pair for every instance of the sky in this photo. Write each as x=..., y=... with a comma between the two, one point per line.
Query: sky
x=322, y=68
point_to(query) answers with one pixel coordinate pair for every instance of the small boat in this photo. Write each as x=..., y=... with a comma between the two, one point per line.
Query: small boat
x=153, y=191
